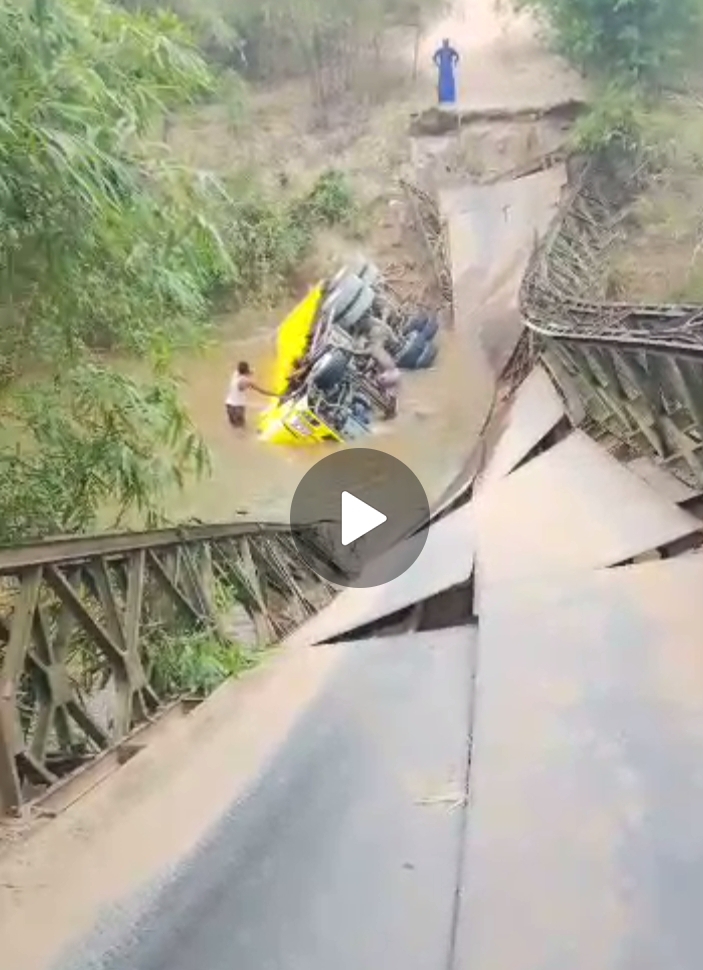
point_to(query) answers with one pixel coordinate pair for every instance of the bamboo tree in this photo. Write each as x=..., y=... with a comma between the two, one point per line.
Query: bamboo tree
x=98, y=245
x=106, y=243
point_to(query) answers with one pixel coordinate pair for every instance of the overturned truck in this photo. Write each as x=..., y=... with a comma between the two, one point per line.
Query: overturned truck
x=337, y=352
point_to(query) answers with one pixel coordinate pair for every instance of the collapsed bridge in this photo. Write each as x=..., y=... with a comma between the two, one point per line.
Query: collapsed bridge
x=503, y=769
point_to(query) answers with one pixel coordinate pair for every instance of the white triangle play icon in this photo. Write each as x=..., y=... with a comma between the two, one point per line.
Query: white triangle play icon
x=358, y=518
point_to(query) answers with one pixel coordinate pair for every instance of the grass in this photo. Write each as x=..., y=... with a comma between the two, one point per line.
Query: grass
x=194, y=663
x=660, y=258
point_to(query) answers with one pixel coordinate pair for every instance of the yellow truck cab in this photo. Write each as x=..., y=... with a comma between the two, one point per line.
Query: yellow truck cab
x=333, y=331
x=290, y=421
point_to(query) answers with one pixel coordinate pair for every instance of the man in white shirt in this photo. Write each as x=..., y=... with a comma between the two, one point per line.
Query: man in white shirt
x=236, y=400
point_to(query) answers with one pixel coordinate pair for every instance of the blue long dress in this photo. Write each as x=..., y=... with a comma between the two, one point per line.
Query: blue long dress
x=446, y=59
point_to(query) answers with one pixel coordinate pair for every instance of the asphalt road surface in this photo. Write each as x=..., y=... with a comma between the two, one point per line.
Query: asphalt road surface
x=347, y=852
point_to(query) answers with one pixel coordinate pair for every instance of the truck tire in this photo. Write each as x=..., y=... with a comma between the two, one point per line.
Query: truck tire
x=329, y=370
x=431, y=328
x=411, y=350
x=357, y=311
x=343, y=292
x=349, y=301
x=369, y=273
x=424, y=323
x=428, y=356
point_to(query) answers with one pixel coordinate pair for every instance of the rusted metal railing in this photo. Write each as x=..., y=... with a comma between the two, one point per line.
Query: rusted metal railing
x=636, y=371
x=81, y=619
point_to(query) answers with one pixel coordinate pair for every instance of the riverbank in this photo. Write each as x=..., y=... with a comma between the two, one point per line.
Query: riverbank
x=502, y=62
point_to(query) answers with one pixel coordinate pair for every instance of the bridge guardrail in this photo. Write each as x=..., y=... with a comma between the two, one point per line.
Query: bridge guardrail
x=637, y=370
x=79, y=616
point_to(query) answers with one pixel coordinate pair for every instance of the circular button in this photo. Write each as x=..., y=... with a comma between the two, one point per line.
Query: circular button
x=375, y=517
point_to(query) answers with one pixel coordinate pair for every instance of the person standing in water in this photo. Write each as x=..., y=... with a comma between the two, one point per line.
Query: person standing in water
x=389, y=379
x=236, y=400
x=446, y=60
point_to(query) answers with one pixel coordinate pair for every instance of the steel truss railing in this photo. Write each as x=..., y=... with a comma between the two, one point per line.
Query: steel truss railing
x=81, y=619
x=637, y=370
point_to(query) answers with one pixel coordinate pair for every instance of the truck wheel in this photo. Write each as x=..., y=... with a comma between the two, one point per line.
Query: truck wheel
x=424, y=323
x=431, y=328
x=369, y=273
x=349, y=301
x=411, y=351
x=343, y=292
x=427, y=357
x=329, y=370
x=357, y=311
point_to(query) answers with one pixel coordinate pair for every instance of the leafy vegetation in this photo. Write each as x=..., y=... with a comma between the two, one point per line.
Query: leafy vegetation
x=88, y=440
x=641, y=56
x=629, y=48
x=627, y=38
x=194, y=663
x=106, y=243
x=617, y=117
x=98, y=242
x=324, y=40
x=266, y=241
x=306, y=34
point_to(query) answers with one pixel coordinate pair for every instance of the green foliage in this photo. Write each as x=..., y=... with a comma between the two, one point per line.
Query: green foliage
x=210, y=21
x=98, y=243
x=267, y=38
x=91, y=439
x=106, y=243
x=194, y=663
x=617, y=117
x=636, y=38
x=327, y=32
x=267, y=239
x=330, y=202
x=100, y=246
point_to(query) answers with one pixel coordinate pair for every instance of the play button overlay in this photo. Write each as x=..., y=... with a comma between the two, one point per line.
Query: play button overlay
x=359, y=518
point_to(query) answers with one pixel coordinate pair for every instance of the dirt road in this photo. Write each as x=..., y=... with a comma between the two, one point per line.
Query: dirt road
x=503, y=59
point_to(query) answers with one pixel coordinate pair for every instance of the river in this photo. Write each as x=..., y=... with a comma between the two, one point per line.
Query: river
x=256, y=480
x=502, y=62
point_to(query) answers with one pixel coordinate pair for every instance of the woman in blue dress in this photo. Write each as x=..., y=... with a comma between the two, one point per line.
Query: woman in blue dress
x=446, y=59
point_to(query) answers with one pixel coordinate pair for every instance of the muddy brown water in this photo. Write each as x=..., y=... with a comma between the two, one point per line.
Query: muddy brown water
x=254, y=480
x=441, y=410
